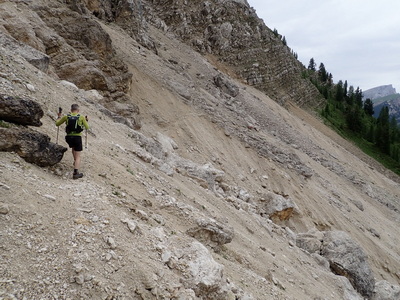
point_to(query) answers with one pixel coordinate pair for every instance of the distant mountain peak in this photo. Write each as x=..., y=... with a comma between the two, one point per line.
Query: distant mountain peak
x=379, y=92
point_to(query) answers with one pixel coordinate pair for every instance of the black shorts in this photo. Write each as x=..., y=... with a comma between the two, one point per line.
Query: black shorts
x=74, y=142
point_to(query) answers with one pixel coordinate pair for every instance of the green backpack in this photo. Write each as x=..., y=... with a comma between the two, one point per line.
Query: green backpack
x=72, y=124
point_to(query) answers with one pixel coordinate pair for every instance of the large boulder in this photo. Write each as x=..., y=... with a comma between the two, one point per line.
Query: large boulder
x=226, y=85
x=347, y=258
x=386, y=291
x=20, y=111
x=276, y=207
x=209, y=231
x=199, y=271
x=32, y=146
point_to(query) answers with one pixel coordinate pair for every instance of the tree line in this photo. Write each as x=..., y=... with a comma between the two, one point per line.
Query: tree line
x=346, y=111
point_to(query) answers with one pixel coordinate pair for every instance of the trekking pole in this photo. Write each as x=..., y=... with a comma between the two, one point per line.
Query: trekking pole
x=86, y=135
x=86, y=140
x=58, y=127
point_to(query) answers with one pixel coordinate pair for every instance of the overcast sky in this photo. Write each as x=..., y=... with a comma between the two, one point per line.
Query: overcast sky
x=356, y=40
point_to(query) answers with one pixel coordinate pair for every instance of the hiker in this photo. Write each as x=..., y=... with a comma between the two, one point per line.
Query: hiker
x=75, y=125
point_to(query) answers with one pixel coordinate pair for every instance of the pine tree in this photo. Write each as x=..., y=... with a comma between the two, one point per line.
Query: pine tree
x=312, y=65
x=339, y=95
x=323, y=75
x=383, y=131
x=369, y=107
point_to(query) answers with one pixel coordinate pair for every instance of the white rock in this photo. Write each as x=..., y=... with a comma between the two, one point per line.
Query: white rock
x=30, y=87
x=111, y=243
x=4, y=186
x=69, y=84
x=131, y=224
x=4, y=209
x=50, y=197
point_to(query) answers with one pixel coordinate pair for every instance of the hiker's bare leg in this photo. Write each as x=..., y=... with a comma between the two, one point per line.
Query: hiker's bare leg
x=77, y=158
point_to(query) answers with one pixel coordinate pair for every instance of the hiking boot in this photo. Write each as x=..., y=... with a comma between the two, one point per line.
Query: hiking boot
x=77, y=175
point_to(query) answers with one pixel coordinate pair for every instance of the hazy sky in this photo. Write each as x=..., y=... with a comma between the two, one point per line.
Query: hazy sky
x=357, y=40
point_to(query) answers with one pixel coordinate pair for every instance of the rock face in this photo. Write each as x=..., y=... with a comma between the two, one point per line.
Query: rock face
x=70, y=45
x=20, y=111
x=346, y=258
x=232, y=31
x=32, y=146
x=37, y=58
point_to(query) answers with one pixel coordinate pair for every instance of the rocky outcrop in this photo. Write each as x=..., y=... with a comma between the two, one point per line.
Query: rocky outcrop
x=346, y=258
x=20, y=111
x=209, y=231
x=32, y=146
x=276, y=207
x=226, y=85
x=81, y=52
x=386, y=291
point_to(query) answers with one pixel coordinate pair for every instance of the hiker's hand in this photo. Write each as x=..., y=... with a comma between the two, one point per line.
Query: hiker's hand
x=59, y=115
x=87, y=119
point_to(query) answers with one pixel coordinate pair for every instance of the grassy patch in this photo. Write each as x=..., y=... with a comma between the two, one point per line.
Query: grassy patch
x=4, y=124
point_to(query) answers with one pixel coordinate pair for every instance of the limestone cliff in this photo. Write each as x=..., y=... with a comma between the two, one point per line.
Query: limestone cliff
x=228, y=30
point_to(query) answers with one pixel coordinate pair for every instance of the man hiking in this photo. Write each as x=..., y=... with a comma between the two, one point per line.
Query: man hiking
x=75, y=125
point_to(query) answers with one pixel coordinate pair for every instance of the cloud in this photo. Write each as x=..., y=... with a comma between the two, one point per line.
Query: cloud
x=357, y=41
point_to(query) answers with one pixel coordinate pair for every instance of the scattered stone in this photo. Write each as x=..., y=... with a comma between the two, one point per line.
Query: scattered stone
x=80, y=279
x=78, y=267
x=131, y=224
x=50, y=197
x=4, y=186
x=358, y=204
x=69, y=84
x=374, y=233
x=111, y=243
x=30, y=87
x=4, y=209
